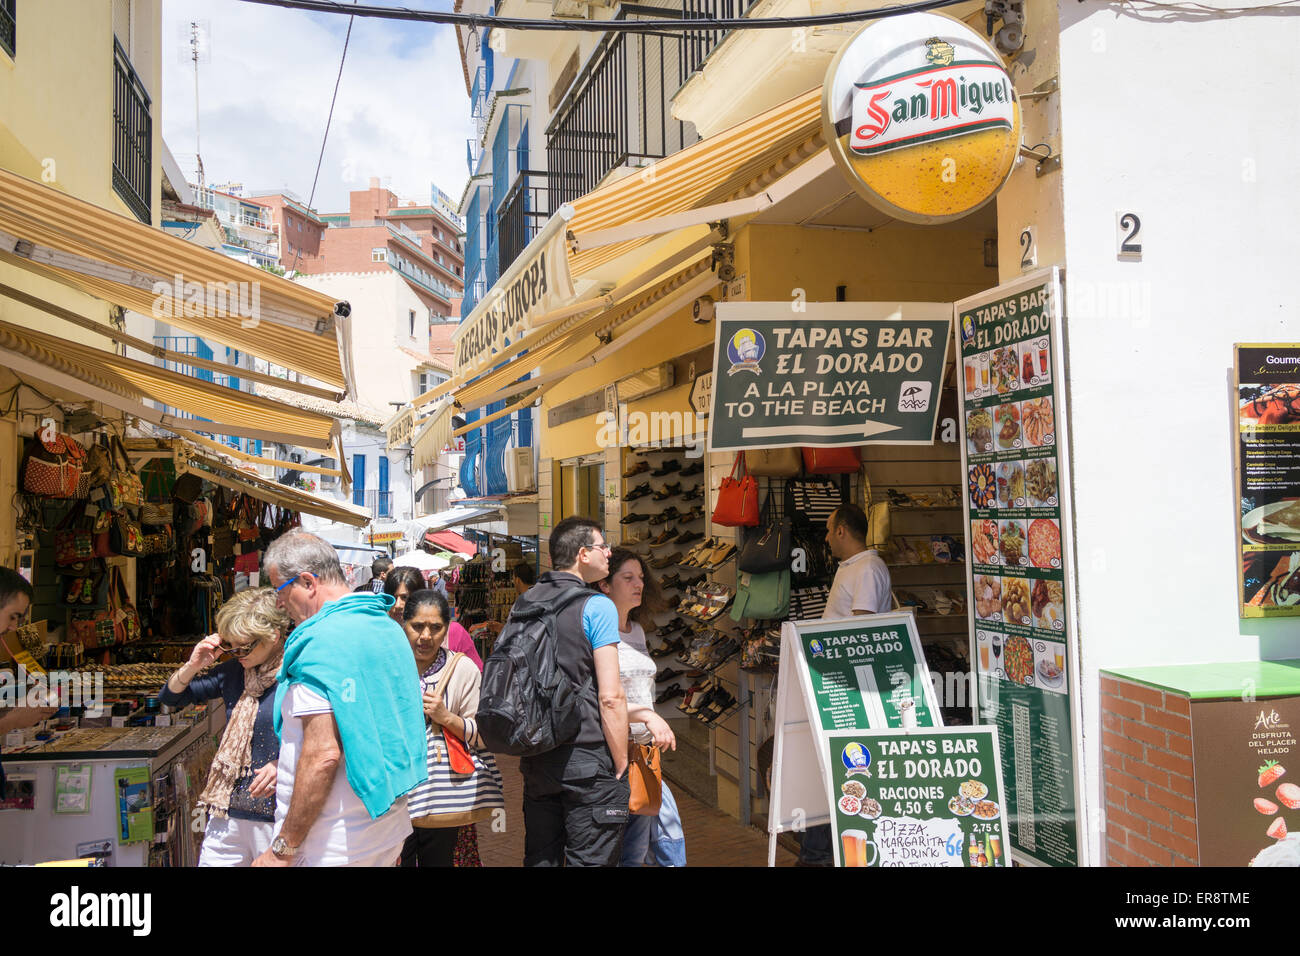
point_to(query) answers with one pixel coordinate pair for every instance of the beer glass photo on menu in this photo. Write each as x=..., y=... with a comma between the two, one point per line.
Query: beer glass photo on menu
x=855, y=847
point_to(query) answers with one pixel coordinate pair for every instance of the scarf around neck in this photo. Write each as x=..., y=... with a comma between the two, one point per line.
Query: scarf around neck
x=234, y=757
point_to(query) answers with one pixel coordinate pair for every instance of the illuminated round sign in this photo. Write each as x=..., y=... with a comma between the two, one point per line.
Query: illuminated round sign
x=922, y=117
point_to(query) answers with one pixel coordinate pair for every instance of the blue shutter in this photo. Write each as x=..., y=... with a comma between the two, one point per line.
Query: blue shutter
x=384, y=497
x=359, y=480
x=469, y=465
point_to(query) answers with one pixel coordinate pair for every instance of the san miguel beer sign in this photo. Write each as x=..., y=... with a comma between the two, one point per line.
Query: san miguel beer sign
x=922, y=117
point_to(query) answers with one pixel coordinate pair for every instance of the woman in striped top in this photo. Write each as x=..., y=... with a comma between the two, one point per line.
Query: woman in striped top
x=447, y=800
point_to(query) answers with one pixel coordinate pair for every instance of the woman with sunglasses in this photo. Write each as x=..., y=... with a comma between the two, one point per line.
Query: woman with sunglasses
x=239, y=798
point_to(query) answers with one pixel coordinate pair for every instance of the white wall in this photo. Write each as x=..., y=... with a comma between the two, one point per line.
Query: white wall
x=1192, y=126
x=381, y=306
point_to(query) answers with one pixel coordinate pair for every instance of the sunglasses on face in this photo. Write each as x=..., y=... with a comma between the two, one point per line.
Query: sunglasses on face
x=239, y=653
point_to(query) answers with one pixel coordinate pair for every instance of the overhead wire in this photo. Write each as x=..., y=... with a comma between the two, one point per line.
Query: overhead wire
x=475, y=21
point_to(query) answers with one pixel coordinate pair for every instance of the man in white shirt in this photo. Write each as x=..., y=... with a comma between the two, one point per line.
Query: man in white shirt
x=861, y=586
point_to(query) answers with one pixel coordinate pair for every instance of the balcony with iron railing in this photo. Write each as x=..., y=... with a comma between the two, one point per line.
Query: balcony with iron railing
x=618, y=111
x=132, y=137
x=378, y=503
x=521, y=216
x=8, y=26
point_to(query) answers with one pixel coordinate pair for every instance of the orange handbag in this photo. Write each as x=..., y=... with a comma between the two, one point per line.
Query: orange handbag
x=737, y=499
x=831, y=461
x=645, y=779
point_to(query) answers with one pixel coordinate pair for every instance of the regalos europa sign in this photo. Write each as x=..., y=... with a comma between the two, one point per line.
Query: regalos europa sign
x=922, y=117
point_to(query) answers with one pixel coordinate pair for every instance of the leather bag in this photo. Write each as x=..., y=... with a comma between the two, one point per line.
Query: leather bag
x=645, y=779
x=771, y=549
x=774, y=462
x=831, y=461
x=125, y=489
x=762, y=597
x=737, y=498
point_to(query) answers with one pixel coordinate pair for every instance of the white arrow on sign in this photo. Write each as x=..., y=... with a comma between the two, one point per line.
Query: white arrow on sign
x=865, y=429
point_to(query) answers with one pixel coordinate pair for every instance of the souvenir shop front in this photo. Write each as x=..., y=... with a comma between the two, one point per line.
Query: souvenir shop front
x=131, y=544
x=135, y=500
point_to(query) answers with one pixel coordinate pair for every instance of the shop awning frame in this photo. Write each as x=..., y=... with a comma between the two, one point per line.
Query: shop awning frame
x=295, y=499
x=118, y=259
x=125, y=384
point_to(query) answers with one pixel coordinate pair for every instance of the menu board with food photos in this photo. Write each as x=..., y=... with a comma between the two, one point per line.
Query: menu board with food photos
x=928, y=797
x=1267, y=394
x=1017, y=508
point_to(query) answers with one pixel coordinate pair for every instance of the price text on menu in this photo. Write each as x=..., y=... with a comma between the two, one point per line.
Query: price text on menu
x=917, y=798
x=1010, y=417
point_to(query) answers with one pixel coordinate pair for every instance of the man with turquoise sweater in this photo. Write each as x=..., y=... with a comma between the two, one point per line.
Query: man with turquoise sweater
x=348, y=713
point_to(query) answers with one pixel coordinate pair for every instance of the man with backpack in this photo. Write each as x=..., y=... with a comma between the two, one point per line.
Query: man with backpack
x=552, y=695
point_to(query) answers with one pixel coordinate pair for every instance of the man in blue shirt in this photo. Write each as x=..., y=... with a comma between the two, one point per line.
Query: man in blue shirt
x=576, y=796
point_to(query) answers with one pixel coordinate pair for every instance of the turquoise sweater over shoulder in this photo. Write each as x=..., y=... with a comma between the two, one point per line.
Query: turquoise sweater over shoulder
x=352, y=653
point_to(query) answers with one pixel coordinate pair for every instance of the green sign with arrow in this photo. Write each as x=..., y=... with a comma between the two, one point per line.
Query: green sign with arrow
x=827, y=374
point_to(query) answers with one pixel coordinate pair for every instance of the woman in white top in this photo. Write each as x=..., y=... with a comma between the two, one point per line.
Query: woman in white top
x=637, y=597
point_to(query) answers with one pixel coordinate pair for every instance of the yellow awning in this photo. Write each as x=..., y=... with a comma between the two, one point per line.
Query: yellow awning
x=118, y=259
x=125, y=383
x=237, y=479
x=723, y=167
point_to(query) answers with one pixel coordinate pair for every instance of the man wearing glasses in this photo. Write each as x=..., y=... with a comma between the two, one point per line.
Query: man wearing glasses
x=576, y=796
x=348, y=713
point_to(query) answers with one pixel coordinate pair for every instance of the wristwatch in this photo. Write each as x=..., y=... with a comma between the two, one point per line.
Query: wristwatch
x=282, y=849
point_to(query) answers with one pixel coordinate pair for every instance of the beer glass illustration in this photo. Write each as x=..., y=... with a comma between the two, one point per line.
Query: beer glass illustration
x=855, y=849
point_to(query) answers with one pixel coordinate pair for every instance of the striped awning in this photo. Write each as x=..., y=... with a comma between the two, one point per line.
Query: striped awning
x=126, y=384
x=139, y=267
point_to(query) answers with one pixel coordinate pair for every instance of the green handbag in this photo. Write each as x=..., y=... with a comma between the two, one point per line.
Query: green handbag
x=762, y=597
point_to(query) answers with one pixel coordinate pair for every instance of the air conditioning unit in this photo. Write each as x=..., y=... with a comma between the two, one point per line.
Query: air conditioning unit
x=520, y=473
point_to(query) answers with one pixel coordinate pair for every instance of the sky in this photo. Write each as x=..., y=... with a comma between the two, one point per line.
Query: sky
x=264, y=96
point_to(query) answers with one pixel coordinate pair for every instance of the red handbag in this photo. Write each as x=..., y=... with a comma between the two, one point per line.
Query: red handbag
x=737, y=499
x=831, y=461
x=53, y=468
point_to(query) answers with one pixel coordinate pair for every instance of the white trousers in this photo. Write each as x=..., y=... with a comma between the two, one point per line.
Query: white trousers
x=228, y=841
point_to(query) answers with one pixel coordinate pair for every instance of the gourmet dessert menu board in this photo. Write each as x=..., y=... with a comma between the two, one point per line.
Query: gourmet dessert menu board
x=1266, y=380
x=917, y=798
x=1014, y=455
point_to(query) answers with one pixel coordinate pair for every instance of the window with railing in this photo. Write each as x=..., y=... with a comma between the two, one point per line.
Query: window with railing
x=618, y=112
x=9, y=26
x=132, y=136
x=521, y=216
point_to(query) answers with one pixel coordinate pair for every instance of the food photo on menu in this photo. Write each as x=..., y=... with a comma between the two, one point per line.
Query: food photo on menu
x=1011, y=484
x=1038, y=422
x=1006, y=421
x=1040, y=482
x=1004, y=364
x=979, y=431
x=982, y=486
x=1047, y=602
x=1011, y=542
x=1015, y=601
x=988, y=597
x=1044, y=536
x=984, y=540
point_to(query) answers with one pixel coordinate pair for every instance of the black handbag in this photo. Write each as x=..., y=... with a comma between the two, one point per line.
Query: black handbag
x=771, y=549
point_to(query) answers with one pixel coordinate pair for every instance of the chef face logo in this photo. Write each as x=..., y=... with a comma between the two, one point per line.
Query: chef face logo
x=745, y=351
x=967, y=329
x=816, y=647
x=856, y=759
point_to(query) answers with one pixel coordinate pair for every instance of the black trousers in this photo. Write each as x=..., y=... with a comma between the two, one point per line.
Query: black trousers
x=430, y=846
x=574, y=809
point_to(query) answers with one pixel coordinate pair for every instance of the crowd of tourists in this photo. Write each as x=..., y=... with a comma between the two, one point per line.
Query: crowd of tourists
x=353, y=736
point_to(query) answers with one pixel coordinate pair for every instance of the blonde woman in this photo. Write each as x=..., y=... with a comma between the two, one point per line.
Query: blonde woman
x=239, y=799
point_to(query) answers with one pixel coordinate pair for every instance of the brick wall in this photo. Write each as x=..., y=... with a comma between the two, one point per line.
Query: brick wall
x=1146, y=739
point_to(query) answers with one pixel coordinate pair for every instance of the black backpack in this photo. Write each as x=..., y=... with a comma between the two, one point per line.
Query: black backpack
x=528, y=705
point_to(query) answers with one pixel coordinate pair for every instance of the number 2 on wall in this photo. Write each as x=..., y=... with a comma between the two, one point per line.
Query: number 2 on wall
x=1128, y=228
x=1028, y=248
